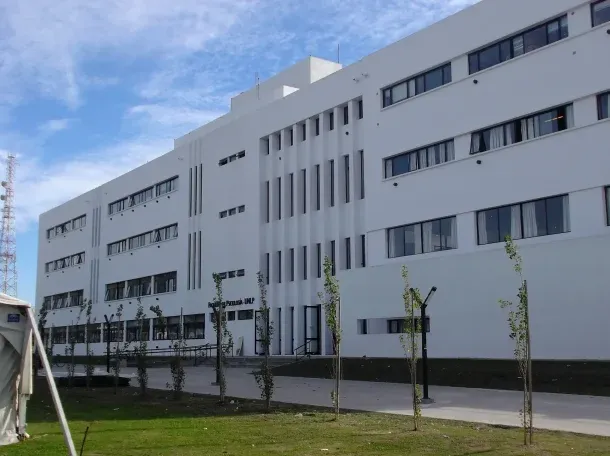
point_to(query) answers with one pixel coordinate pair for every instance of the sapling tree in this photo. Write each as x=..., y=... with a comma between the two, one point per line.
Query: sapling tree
x=141, y=349
x=264, y=329
x=70, y=349
x=519, y=324
x=223, y=336
x=87, y=306
x=177, y=344
x=120, y=348
x=411, y=301
x=330, y=299
x=42, y=322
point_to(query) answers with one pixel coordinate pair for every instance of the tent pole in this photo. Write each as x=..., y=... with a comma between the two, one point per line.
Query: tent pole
x=51, y=381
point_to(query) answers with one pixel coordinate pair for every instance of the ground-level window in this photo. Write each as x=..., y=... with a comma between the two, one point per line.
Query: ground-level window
x=194, y=326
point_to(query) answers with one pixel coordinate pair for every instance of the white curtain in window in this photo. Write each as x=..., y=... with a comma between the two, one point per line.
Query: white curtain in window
x=427, y=237
x=452, y=241
x=496, y=137
x=388, y=168
x=566, y=213
x=570, y=116
x=423, y=163
x=413, y=161
x=476, y=142
x=450, y=151
x=530, y=227
x=399, y=92
x=392, y=242
x=442, y=152
x=482, y=227
x=509, y=133
x=515, y=222
x=412, y=88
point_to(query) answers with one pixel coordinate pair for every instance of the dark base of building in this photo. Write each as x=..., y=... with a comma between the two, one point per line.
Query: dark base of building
x=567, y=377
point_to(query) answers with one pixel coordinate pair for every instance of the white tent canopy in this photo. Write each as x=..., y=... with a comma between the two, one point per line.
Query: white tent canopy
x=17, y=327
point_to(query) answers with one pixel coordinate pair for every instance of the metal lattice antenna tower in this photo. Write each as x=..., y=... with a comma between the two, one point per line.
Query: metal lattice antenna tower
x=8, y=243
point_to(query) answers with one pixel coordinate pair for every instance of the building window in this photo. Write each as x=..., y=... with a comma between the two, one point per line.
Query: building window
x=348, y=253
x=362, y=327
x=267, y=267
x=141, y=197
x=116, y=332
x=279, y=266
x=361, y=155
x=223, y=214
x=318, y=187
x=165, y=283
x=292, y=265
x=600, y=12
x=528, y=41
x=245, y=314
x=79, y=222
x=194, y=326
x=363, y=250
x=346, y=177
x=360, y=109
x=417, y=85
x=267, y=204
x=241, y=272
x=345, y=115
x=603, y=105
x=608, y=206
x=304, y=175
x=317, y=126
x=279, y=140
x=292, y=194
x=304, y=262
x=58, y=335
x=419, y=159
x=331, y=120
x=524, y=129
x=138, y=331
x=241, y=209
x=76, y=334
x=166, y=329
x=167, y=186
x=332, y=257
x=76, y=298
x=279, y=198
x=60, y=301
x=291, y=136
x=117, y=206
x=396, y=326
x=541, y=217
x=303, y=132
x=319, y=259
x=139, y=287
x=233, y=211
x=426, y=237
x=231, y=315
x=332, y=182
x=115, y=291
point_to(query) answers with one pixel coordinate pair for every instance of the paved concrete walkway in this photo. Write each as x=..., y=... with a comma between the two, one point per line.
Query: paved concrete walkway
x=562, y=412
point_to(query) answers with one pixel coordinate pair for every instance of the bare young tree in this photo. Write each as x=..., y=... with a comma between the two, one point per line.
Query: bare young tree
x=48, y=341
x=264, y=329
x=331, y=301
x=120, y=348
x=519, y=324
x=141, y=350
x=411, y=301
x=70, y=349
x=89, y=327
x=223, y=336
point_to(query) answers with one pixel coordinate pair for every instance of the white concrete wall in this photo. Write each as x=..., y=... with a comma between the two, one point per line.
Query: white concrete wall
x=574, y=161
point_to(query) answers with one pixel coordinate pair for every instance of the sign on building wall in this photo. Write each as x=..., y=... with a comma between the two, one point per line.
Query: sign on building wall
x=239, y=302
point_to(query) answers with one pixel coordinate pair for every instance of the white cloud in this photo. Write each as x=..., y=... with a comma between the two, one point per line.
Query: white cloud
x=54, y=125
x=172, y=116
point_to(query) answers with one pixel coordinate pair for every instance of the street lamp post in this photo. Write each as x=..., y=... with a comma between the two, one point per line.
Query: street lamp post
x=424, y=343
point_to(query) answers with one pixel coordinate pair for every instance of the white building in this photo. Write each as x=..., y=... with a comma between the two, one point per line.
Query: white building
x=508, y=130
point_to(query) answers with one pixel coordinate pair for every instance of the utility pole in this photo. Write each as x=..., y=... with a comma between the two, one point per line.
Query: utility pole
x=8, y=243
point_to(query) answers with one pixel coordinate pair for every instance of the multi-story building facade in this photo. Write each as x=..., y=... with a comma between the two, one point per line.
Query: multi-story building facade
x=425, y=153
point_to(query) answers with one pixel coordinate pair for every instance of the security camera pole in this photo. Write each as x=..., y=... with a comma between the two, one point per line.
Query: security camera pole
x=424, y=344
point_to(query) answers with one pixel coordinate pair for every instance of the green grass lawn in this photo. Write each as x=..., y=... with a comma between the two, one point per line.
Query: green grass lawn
x=128, y=425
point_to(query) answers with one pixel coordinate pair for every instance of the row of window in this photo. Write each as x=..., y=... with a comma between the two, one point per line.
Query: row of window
x=143, y=286
x=232, y=274
x=528, y=41
x=391, y=325
x=231, y=158
x=231, y=314
x=542, y=217
x=63, y=300
x=288, y=266
x=193, y=327
x=515, y=131
x=73, y=260
x=286, y=137
x=144, y=239
x=70, y=225
x=292, y=187
x=232, y=211
x=506, y=49
x=142, y=196
x=417, y=85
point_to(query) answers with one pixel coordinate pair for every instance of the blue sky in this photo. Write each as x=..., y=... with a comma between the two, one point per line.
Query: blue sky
x=90, y=90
